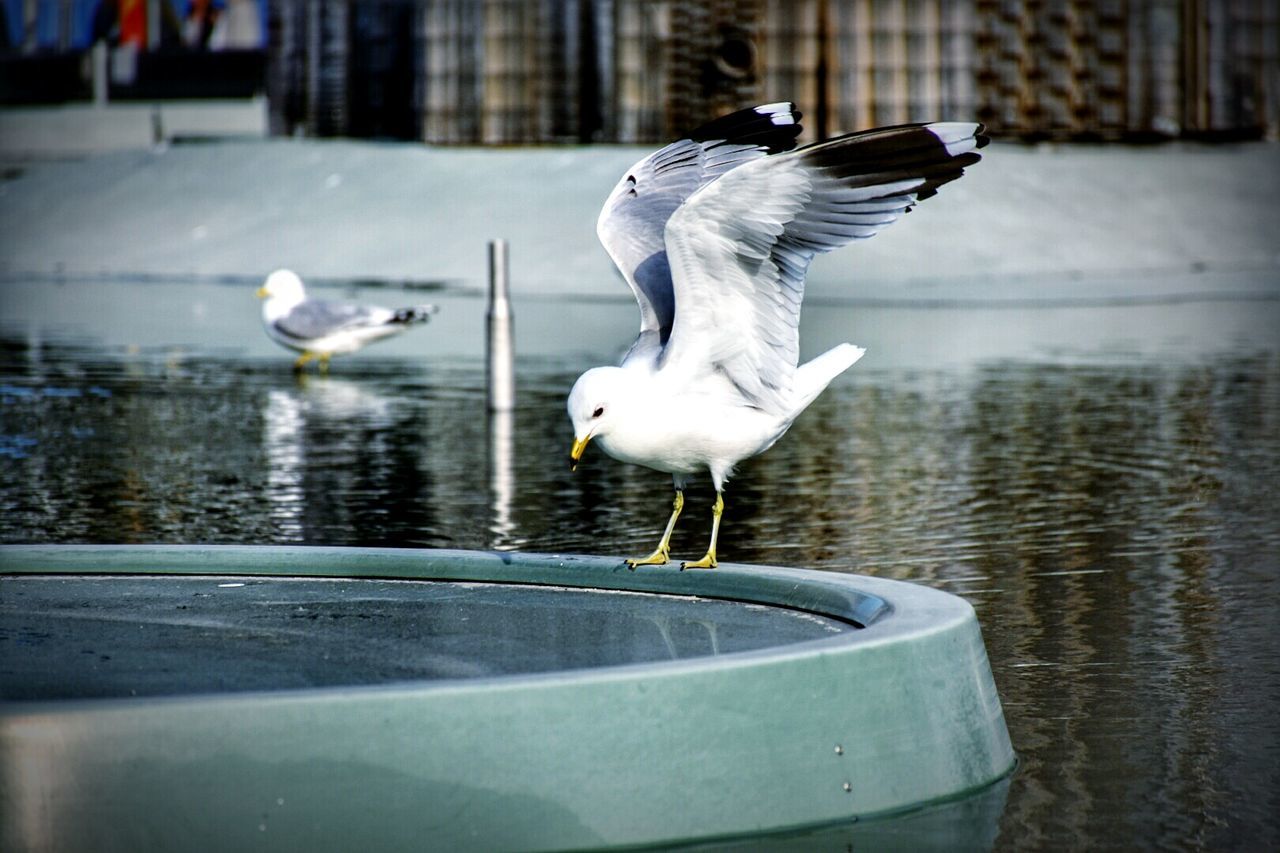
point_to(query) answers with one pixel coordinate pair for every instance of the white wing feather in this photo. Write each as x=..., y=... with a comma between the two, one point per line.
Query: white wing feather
x=632, y=222
x=740, y=247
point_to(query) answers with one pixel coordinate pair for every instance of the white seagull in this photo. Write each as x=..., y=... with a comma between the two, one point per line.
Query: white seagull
x=320, y=329
x=714, y=234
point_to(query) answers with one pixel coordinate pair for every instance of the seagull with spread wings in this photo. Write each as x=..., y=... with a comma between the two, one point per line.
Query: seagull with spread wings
x=714, y=234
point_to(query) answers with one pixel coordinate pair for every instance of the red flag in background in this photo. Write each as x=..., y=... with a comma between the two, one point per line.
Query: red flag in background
x=133, y=23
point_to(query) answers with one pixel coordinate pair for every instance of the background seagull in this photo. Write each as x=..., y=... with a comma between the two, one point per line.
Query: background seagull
x=320, y=329
x=714, y=234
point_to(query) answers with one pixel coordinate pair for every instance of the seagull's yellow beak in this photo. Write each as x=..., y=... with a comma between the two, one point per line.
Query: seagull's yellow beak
x=575, y=452
x=263, y=293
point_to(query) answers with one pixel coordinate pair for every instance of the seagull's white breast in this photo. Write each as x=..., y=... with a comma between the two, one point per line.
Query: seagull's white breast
x=698, y=436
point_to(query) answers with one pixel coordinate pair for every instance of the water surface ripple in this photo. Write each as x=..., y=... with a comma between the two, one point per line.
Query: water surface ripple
x=1113, y=519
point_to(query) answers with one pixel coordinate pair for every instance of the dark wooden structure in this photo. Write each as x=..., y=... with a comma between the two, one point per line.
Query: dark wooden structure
x=534, y=71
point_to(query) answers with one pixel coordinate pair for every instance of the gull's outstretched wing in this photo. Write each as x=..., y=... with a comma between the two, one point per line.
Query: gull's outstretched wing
x=740, y=247
x=634, y=216
x=315, y=319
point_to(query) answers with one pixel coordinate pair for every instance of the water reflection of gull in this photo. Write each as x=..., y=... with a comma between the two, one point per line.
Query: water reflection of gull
x=282, y=438
x=664, y=625
x=343, y=401
x=285, y=418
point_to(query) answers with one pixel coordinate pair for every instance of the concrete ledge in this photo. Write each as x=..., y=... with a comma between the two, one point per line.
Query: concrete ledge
x=890, y=717
x=78, y=130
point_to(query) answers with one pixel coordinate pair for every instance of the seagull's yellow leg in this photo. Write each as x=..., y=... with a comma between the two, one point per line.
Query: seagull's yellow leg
x=708, y=560
x=659, y=556
x=324, y=363
x=302, y=360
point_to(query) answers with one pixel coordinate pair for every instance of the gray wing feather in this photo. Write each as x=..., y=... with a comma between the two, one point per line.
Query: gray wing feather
x=315, y=319
x=632, y=223
x=740, y=247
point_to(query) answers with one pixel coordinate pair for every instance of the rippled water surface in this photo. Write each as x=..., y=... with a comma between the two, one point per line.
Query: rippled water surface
x=1100, y=482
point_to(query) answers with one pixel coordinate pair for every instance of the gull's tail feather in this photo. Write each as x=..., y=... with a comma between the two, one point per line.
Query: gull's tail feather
x=816, y=374
x=414, y=314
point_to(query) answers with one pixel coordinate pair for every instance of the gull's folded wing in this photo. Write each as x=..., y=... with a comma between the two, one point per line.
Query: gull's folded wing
x=314, y=319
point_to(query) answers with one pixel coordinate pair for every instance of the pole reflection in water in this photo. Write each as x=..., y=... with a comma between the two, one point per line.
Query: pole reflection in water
x=502, y=479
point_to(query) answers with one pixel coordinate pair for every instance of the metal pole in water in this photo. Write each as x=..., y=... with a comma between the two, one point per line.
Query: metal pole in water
x=500, y=372
x=500, y=347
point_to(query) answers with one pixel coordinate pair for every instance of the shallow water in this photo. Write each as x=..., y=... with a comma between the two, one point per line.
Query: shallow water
x=1099, y=481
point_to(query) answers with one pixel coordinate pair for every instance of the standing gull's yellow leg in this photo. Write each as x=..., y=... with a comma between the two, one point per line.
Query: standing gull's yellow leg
x=659, y=556
x=708, y=560
x=302, y=360
x=324, y=363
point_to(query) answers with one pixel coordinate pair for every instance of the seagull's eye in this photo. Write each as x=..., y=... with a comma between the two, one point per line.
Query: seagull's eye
x=598, y=412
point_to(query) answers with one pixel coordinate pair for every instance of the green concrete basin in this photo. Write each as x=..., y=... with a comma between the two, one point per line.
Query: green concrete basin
x=330, y=698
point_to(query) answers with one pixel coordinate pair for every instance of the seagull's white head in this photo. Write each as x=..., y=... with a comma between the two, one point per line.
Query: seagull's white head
x=597, y=405
x=283, y=286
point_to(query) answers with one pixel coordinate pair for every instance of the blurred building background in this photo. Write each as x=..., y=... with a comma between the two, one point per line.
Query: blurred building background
x=148, y=49
x=515, y=71
x=546, y=71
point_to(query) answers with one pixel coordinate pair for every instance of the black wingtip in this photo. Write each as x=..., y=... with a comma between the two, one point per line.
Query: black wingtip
x=414, y=314
x=935, y=154
x=773, y=127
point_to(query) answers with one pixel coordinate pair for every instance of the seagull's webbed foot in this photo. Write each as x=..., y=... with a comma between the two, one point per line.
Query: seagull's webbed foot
x=657, y=558
x=662, y=553
x=708, y=560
